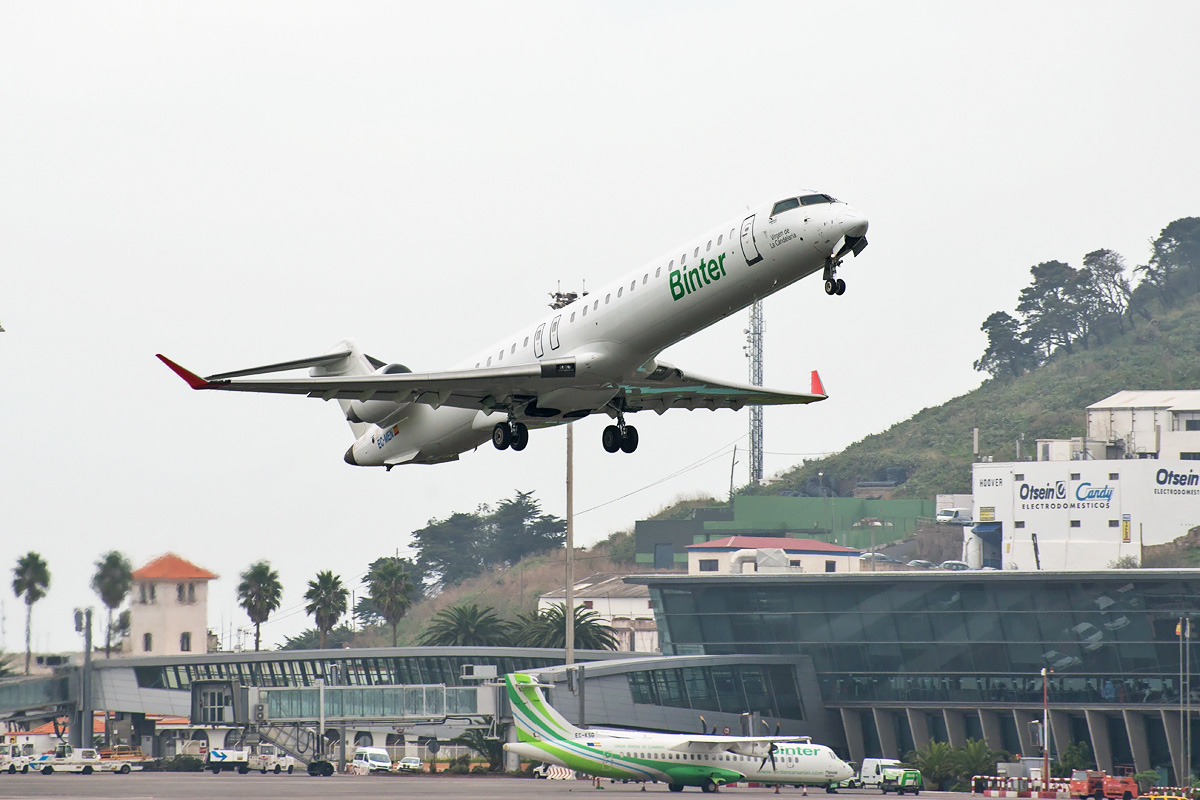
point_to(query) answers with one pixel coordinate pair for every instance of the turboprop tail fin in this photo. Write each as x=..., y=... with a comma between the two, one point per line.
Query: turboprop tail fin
x=536, y=719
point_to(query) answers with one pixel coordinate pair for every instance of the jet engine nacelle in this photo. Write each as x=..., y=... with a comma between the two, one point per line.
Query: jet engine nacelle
x=376, y=411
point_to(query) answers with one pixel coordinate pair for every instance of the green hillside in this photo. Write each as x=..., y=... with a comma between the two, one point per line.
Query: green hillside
x=934, y=446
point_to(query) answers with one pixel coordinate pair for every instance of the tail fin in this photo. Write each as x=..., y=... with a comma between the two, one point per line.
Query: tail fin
x=536, y=719
x=354, y=362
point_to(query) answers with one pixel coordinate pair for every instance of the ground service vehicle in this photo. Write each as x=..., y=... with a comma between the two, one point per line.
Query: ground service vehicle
x=1099, y=785
x=13, y=759
x=68, y=759
x=410, y=764
x=267, y=758
x=900, y=780
x=225, y=760
x=373, y=759
x=870, y=774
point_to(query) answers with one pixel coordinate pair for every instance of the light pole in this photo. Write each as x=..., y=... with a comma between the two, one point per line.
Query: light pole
x=1045, y=727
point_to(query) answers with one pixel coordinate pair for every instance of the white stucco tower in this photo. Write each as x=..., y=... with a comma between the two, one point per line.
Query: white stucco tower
x=168, y=609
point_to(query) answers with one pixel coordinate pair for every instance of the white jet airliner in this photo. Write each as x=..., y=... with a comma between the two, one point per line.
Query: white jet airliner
x=680, y=760
x=599, y=354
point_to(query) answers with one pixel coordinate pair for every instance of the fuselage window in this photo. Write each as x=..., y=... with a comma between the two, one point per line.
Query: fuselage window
x=607, y=297
x=720, y=239
x=596, y=306
x=572, y=316
x=709, y=247
x=658, y=272
x=632, y=285
x=526, y=342
x=476, y=365
x=645, y=278
x=514, y=348
x=813, y=199
x=501, y=356
x=785, y=205
x=489, y=361
x=682, y=260
x=585, y=311
x=697, y=253
x=620, y=291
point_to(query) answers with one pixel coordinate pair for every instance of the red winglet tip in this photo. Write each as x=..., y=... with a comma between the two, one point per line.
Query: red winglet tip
x=193, y=380
x=817, y=386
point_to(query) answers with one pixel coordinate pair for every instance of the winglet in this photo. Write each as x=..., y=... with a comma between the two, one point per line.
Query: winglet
x=193, y=380
x=817, y=387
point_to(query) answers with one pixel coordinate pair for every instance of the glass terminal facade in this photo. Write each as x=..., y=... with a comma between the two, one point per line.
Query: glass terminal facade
x=976, y=640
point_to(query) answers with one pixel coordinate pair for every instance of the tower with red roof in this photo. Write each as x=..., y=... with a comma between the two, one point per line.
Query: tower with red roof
x=168, y=609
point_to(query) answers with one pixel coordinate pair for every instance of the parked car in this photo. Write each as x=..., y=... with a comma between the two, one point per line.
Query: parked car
x=953, y=516
x=922, y=563
x=374, y=759
x=409, y=764
x=954, y=565
x=880, y=557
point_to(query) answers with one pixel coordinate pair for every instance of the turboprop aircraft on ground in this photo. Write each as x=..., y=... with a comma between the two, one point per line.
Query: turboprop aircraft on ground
x=679, y=760
x=599, y=354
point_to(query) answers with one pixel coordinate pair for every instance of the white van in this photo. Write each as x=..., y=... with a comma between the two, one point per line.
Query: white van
x=373, y=759
x=953, y=516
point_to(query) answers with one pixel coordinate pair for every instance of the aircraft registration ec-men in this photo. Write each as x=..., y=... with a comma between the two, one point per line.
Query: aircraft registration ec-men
x=678, y=759
x=599, y=354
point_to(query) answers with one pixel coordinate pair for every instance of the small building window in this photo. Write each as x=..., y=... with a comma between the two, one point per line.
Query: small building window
x=1114, y=476
x=1191, y=424
x=708, y=565
x=1018, y=477
x=153, y=593
x=1189, y=456
x=1074, y=476
x=831, y=566
x=179, y=593
x=185, y=642
x=147, y=642
x=142, y=593
x=1114, y=523
x=588, y=603
x=1074, y=523
x=1019, y=524
x=191, y=592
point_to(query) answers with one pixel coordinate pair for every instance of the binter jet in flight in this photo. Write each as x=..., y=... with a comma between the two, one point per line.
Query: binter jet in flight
x=598, y=354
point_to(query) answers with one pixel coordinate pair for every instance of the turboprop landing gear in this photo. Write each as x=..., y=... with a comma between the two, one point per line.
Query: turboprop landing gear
x=833, y=284
x=620, y=437
x=510, y=434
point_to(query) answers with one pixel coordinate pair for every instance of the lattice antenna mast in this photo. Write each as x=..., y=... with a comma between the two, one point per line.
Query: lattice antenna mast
x=754, y=352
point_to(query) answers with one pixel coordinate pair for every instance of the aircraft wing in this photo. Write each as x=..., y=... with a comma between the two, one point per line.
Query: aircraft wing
x=746, y=745
x=469, y=388
x=669, y=387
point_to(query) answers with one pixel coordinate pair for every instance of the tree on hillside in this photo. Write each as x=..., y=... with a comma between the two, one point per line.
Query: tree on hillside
x=259, y=593
x=365, y=613
x=1108, y=285
x=466, y=626
x=451, y=550
x=548, y=628
x=1174, y=268
x=1008, y=353
x=1052, y=307
x=518, y=527
x=31, y=579
x=326, y=598
x=391, y=589
x=112, y=581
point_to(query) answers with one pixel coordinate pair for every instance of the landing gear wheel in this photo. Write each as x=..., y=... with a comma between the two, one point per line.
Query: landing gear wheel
x=840, y=289
x=675, y=787
x=709, y=786
x=611, y=439
x=629, y=441
x=520, y=436
x=502, y=435
x=830, y=286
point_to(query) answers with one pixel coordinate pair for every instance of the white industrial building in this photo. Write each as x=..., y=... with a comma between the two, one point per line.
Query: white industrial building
x=740, y=555
x=624, y=607
x=1132, y=481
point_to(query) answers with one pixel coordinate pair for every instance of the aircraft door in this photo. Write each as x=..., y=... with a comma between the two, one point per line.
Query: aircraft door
x=537, y=341
x=554, y=332
x=749, y=248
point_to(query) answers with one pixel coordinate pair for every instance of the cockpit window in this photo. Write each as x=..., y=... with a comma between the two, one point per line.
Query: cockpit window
x=814, y=199
x=785, y=205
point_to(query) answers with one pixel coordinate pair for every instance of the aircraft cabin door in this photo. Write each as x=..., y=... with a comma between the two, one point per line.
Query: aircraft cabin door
x=749, y=248
x=554, y=332
x=537, y=341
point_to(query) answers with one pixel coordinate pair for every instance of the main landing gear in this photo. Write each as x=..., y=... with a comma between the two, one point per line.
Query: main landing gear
x=620, y=437
x=510, y=434
x=833, y=284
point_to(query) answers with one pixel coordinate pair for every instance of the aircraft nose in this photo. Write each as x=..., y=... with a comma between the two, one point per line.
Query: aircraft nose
x=350, y=457
x=853, y=222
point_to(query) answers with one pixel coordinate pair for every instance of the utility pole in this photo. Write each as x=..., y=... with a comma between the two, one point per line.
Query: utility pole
x=754, y=352
x=559, y=299
x=81, y=735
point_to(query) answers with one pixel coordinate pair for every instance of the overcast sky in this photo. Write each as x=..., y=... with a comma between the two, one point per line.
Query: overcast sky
x=240, y=183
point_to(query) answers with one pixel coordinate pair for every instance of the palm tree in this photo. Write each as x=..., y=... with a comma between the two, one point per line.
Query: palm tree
x=975, y=758
x=936, y=763
x=392, y=591
x=466, y=626
x=31, y=579
x=259, y=593
x=112, y=581
x=488, y=747
x=326, y=598
x=548, y=628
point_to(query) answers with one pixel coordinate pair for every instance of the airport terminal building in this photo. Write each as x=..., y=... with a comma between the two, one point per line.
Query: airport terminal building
x=905, y=657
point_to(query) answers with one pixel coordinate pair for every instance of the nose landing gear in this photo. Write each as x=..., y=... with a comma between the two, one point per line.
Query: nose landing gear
x=510, y=434
x=833, y=284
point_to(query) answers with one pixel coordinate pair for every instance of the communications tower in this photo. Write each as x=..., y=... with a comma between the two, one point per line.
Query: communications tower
x=754, y=352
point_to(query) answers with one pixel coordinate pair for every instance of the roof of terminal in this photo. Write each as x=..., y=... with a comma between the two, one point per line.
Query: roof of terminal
x=170, y=567
x=786, y=544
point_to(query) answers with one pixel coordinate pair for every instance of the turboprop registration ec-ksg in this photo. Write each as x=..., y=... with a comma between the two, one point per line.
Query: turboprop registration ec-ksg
x=597, y=355
x=680, y=760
